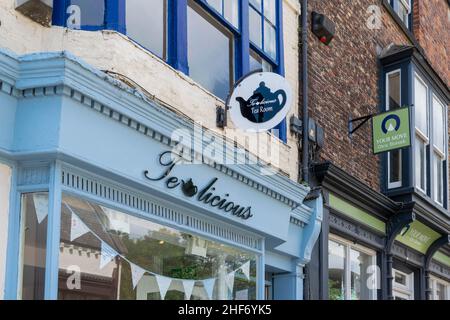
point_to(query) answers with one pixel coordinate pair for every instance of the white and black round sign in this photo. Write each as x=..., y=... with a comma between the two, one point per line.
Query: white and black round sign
x=260, y=101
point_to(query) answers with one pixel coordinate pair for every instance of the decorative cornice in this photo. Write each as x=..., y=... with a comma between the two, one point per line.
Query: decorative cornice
x=61, y=73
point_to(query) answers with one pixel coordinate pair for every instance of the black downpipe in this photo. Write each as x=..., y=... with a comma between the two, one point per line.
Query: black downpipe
x=305, y=88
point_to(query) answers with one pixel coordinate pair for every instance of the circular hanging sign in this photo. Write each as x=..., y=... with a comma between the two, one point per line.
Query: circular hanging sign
x=260, y=101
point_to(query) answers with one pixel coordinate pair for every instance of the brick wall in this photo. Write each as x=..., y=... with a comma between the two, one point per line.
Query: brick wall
x=344, y=82
x=432, y=30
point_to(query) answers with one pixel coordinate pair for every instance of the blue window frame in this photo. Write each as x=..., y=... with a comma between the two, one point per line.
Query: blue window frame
x=238, y=17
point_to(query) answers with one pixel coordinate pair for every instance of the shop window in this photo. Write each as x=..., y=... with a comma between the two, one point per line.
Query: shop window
x=393, y=101
x=421, y=133
x=440, y=289
x=107, y=254
x=351, y=271
x=146, y=23
x=438, y=150
x=209, y=44
x=5, y=189
x=403, y=286
x=33, y=234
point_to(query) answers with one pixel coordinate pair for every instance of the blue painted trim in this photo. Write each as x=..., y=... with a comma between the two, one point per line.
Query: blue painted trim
x=282, y=127
x=53, y=234
x=115, y=15
x=13, y=247
x=243, y=42
x=59, y=13
x=177, y=35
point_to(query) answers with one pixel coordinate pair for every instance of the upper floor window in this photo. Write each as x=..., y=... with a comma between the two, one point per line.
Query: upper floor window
x=215, y=42
x=146, y=23
x=430, y=141
x=421, y=136
x=263, y=26
x=393, y=101
x=439, y=154
x=228, y=9
x=210, y=44
x=403, y=10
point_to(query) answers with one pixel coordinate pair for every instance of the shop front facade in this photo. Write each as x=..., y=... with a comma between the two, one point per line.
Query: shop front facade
x=101, y=200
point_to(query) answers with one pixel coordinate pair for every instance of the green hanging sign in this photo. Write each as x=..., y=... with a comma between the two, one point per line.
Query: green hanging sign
x=391, y=130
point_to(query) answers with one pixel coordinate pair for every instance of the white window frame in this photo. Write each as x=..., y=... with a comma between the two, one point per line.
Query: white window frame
x=434, y=281
x=425, y=138
x=395, y=184
x=438, y=153
x=400, y=290
x=407, y=5
x=348, y=245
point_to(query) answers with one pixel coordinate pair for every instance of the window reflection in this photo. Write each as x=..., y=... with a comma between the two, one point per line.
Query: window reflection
x=258, y=63
x=146, y=24
x=33, y=246
x=336, y=271
x=211, y=45
x=167, y=255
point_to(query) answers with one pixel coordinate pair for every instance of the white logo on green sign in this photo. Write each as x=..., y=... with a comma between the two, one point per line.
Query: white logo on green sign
x=391, y=131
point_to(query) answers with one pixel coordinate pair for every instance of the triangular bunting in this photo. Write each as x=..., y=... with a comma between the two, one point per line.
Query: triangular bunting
x=246, y=269
x=78, y=228
x=230, y=280
x=107, y=255
x=209, y=287
x=40, y=206
x=136, y=274
x=163, y=284
x=188, y=288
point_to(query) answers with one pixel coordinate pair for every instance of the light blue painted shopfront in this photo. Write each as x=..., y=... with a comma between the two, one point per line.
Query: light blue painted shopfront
x=77, y=144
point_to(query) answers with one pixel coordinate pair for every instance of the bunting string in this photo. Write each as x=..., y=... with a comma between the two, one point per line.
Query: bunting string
x=108, y=254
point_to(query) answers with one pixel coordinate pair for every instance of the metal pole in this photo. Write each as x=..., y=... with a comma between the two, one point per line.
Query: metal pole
x=305, y=88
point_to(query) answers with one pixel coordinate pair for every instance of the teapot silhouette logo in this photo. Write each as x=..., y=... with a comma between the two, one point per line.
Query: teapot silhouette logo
x=263, y=105
x=188, y=188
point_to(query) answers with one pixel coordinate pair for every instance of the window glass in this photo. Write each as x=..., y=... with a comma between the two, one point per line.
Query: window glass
x=420, y=164
x=393, y=95
x=91, y=13
x=440, y=291
x=359, y=276
x=210, y=45
x=352, y=272
x=403, y=9
x=229, y=9
x=394, y=91
x=420, y=106
x=33, y=246
x=263, y=26
x=255, y=27
x=270, y=10
x=258, y=63
x=107, y=254
x=403, y=285
x=5, y=189
x=439, y=125
x=395, y=168
x=146, y=24
x=438, y=179
x=336, y=271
